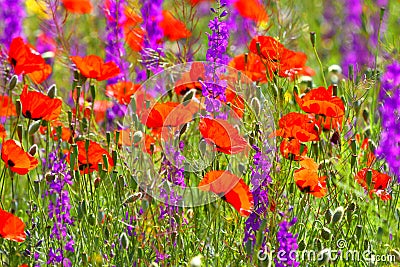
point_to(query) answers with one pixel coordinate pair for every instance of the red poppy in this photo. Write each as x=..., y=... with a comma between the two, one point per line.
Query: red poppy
x=155, y=117
x=173, y=28
x=40, y=76
x=65, y=131
x=3, y=132
x=88, y=160
x=252, y=9
x=122, y=91
x=7, y=107
x=307, y=179
x=134, y=34
x=185, y=84
x=231, y=188
x=293, y=64
x=252, y=66
x=291, y=148
x=78, y=6
x=37, y=106
x=321, y=101
x=16, y=158
x=379, y=183
x=225, y=137
x=270, y=48
x=11, y=227
x=195, y=2
x=299, y=126
x=94, y=67
x=24, y=58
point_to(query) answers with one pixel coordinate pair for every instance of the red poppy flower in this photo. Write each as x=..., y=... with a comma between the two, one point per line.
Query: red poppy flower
x=292, y=149
x=11, y=227
x=24, y=58
x=252, y=66
x=231, y=188
x=185, y=84
x=37, y=106
x=307, y=179
x=88, y=160
x=78, y=6
x=155, y=117
x=299, y=126
x=16, y=158
x=173, y=28
x=225, y=137
x=94, y=67
x=270, y=48
x=40, y=76
x=7, y=107
x=251, y=9
x=293, y=64
x=379, y=183
x=122, y=91
x=321, y=101
x=3, y=132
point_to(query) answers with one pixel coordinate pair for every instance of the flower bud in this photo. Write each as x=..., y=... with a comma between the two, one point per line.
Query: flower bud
x=52, y=92
x=313, y=38
x=13, y=82
x=124, y=240
x=337, y=215
x=328, y=216
x=137, y=137
x=326, y=233
x=33, y=150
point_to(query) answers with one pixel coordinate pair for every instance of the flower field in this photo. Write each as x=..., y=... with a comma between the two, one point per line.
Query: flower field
x=199, y=133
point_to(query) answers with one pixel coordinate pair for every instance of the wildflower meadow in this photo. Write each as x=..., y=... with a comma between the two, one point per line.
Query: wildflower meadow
x=199, y=133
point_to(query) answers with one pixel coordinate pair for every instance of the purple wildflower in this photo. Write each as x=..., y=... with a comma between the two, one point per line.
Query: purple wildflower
x=12, y=14
x=287, y=243
x=115, y=50
x=260, y=179
x=59, y=208
x=213, y=87
x=389, y=144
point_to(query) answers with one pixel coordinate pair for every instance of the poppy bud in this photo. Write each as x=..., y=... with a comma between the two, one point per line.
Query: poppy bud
x=105, y=161
x=114, y=156
x=84, y=124
x=52, y=91
x=14, y=206
x=97, y=181
x=351, y=207
x=302, y=245
x=18, y=107
x=188, y=96
x=33, y=127
x=313, y=38
x=334, y=89
x=258, y=47
x=353, y=146
x=318, y=243
x=133, y=104
x=33, y=149
x=365, y=115
x=117, y=134
x=124, y=240
x=108, y=138
x=326, y=233
x=93, y=91
x=368, y=178
x=13, y=82
x=382, y=12
x=91, y=219
x=36, y=187
x=137, y=137
x=358, y=231
x=328, y=216
x=337, y=215
x=20, y=131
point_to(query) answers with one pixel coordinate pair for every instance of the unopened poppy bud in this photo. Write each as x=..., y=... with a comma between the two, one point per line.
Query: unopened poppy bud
x=18, y=107
x=137, y=136
x=353, y=160
x=91, y=219
x=52, y=92
x=349, y=217
x=353, y=146
x=328, y=216
x=326, y=233
x=365, y=115
x=337, y=215
x=382, y=12
x=358, y=231
x=36, y=187
x=33, y=150
x=14, y=206
x=124, y=240
x=313, y=38
x=97, y=182
x=117, y=135
x=33, y=127
x=351, y=72
x=13, y=82
x=93, y=91
x=334, y=89
x=84, y=124
x=188, y=96
x=20, y=131
x=368, y=178
x=351, y=207
x=190, y=213
x=108, y=138
x=302, y=245
x=318, y=243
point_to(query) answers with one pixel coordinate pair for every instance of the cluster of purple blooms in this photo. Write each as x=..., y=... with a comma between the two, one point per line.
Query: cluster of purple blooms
x=11, y=17
x=389, y=144
x=260, y=178
x=214, y=88
x=59, y=209
x=115, y=50
x=287, y=244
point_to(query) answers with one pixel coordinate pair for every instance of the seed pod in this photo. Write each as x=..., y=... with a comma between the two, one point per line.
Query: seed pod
x=52, y=92
x=20, y=131
x=124, y=240
x=18, y=107
x=13, y=82
x=256, y=105
x=114, y=156
x=302, y=245
x=337, y=215
x=34, y=127
x=137, y=137
x=97, y=182
x=326, y=233
x=108, y=138
x=328, y=216
x=33, y=149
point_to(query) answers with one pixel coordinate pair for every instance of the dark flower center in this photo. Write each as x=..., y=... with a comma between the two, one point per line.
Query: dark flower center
x=10, y=163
